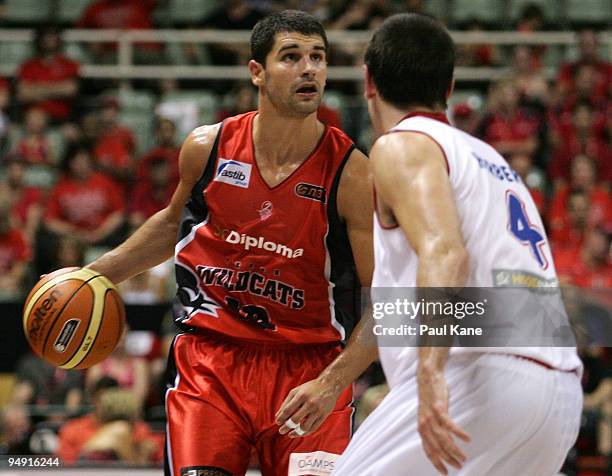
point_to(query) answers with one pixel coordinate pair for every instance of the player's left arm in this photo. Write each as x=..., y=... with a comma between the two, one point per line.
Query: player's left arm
x=412, y=184
x=311, y=403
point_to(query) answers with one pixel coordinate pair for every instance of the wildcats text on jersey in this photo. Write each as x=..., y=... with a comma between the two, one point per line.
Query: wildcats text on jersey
x=253, y=283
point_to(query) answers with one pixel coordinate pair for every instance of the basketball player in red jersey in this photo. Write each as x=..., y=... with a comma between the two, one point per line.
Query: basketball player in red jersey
x=273, y=217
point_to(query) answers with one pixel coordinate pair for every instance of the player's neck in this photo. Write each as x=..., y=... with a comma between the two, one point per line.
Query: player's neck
x=390, y=115
x=280, y=140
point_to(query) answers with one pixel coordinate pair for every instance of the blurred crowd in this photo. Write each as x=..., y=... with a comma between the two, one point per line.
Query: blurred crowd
x=76, y=178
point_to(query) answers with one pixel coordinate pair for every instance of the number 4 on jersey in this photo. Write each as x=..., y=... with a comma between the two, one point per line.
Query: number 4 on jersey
x=520, y=226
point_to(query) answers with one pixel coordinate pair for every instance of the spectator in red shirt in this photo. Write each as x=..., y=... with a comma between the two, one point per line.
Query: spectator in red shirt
x=583, y=135
x=464, y=117
x=165, y=150
x=152, y=193
x=508, y=127
x=115, y=145
x=567, y=231
x=36, y=147
x=532, y=178
x=583, y=178
x=85, y=204
x=50, y=80
x=242, y=98
x=585, y=81
x=531, y=82
x=112, y=432
x=532, y=19
x=121, y=15
x=588, y=55
x=476, y=54
x=588, y=266
x=14, y=252
x=26, y=201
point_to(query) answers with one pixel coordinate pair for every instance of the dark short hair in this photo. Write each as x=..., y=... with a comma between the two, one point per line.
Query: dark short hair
x=532, y=11
x=411, y=60
x=43, y=31
x=580, y=103
x=103, y=383
x=72, y=150
x=264, y=32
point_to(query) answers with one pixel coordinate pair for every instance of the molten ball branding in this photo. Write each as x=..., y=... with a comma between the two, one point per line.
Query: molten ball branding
x=42, y=315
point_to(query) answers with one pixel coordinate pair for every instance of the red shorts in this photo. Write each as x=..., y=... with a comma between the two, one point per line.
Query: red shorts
x=221, y=403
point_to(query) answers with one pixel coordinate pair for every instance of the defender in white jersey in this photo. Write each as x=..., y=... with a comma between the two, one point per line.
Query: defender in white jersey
x=450, y=212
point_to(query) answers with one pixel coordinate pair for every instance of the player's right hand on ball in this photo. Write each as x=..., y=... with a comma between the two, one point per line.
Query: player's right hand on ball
x=435, y=426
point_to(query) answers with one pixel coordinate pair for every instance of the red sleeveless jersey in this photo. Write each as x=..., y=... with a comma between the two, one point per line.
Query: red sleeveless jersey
x=261, y=263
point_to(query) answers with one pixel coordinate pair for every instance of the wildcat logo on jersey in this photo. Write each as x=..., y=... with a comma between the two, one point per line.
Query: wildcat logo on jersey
x=190, y=298
x=233, y=172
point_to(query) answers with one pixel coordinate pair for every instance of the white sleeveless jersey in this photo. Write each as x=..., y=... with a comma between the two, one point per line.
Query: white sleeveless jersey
x=501, y=226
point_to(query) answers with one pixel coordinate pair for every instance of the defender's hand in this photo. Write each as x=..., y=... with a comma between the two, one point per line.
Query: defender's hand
x=306, y=408
x=435, y=425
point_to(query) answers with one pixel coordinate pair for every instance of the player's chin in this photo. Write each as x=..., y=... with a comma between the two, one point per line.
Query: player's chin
x=307, y=105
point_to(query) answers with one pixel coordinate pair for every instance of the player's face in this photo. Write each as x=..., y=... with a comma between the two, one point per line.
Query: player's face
x=295, y=73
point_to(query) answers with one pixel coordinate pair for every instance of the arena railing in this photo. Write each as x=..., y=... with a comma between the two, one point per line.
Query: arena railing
x=126, y=69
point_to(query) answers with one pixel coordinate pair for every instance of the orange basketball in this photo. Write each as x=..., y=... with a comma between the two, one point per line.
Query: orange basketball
x=73, y=318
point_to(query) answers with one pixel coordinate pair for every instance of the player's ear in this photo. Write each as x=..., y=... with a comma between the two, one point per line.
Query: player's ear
x=257, y=73
x=369, y=88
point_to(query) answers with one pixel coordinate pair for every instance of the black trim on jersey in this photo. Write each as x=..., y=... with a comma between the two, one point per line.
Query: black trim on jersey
x=194, y=212
x=196, y=209
x=170, y=377
x=343, y=272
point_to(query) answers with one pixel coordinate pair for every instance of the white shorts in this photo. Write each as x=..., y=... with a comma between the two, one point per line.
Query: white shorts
x=522, y=419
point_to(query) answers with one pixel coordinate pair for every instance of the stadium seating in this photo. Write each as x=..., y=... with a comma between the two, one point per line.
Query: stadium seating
x=15, y=52
x=589, y=11
x=487, y=11
x=551, y=8
x=69, y=11
x=190, y=11
x=28, y=12
x=136, y=101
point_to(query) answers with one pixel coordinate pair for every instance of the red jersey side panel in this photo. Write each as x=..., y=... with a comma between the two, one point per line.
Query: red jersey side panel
x=267, y=263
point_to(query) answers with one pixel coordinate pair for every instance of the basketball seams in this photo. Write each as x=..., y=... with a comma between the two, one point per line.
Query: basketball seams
x=59, y=313
x=99, y=287
x=85, y=334
x=93, y=342
x=120, y=313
